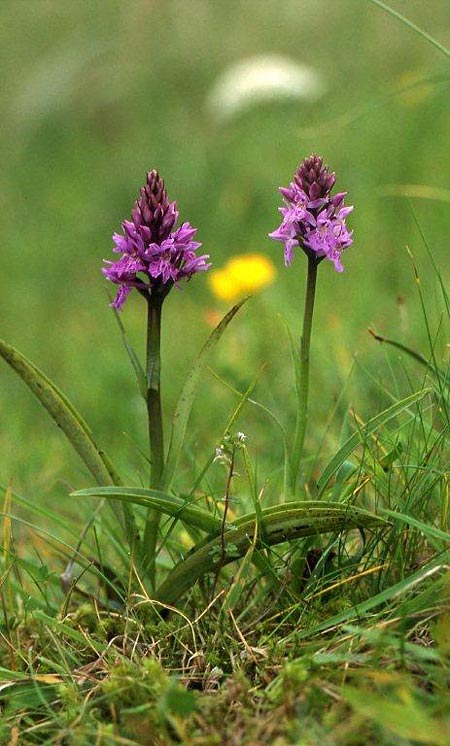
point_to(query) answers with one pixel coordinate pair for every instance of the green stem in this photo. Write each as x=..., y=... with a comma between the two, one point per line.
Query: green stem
x=303, y=384
x=155, y=427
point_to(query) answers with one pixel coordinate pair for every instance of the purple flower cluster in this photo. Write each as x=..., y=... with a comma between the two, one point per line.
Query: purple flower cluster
x=312, y=219
x=154, y=255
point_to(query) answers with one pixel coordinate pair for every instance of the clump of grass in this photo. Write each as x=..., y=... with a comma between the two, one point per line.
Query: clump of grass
x=336, y=628
x=290, y=633
x=276, y=621
x=340, y=652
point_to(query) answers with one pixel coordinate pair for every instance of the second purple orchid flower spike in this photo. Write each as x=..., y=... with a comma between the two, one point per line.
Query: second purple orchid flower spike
x=313, y=220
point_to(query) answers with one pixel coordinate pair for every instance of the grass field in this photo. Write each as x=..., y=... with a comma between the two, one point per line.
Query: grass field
x=339, y=637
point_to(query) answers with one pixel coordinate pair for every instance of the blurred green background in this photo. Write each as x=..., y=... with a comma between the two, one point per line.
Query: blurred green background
x=97, y=92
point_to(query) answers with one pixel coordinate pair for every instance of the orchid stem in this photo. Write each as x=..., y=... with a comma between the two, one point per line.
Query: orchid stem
x=155, y=428
x=303, y=384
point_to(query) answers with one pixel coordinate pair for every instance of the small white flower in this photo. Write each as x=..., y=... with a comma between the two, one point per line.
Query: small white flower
x=219, y=454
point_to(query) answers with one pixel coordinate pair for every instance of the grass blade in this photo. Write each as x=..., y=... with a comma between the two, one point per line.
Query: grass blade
x=187, y=396
x=139, y=372
x=272, y=417
x=438, y=274
x=402, y=588
x=441, y=377
x=357, y=438
x=412, y=26
x=430, y=531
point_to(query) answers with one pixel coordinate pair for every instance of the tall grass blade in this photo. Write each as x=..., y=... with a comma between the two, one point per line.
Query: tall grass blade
x=358, y=611
x=412, y=353
x=427, y=323
x=7, y=523
x=430, y=531
x=187, y=396
x=442, y=379
x=274, y=419
x=432, y=260
x=412, y=26
x=357, y=438
x=139, y=372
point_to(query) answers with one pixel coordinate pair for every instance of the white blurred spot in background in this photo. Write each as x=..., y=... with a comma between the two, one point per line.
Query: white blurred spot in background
x=261, y=79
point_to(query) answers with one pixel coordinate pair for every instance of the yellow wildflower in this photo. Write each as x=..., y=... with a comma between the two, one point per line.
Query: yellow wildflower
x=241, y=275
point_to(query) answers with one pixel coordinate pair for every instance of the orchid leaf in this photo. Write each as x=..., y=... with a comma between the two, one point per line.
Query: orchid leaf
x=280, y=523
x=62, y=411
x=74, y=427
x=175, y=507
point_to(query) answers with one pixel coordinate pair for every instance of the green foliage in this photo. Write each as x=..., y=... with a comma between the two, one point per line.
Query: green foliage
x=321, y=620
x=62, y=412
x=186, y=399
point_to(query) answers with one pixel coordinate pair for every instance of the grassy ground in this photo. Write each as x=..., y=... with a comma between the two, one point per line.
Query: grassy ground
x=339, y=638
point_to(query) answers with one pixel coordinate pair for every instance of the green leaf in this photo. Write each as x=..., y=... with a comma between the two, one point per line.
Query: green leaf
x=273, y=418
x=60, y=627
x=187, y=396
x=357, y=438
x=431, y=531
x=427, y=364
x=134, y=360
x=176, y=700
x=62, y=411
x=175, y=507
x=398, y=710
x=358, y=611
x=280, y=523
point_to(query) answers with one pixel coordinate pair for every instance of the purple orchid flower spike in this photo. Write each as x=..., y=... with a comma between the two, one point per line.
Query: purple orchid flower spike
x=312, y=219
x=155, y=256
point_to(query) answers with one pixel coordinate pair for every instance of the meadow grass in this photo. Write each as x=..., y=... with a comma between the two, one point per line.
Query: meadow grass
x=341, y=636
